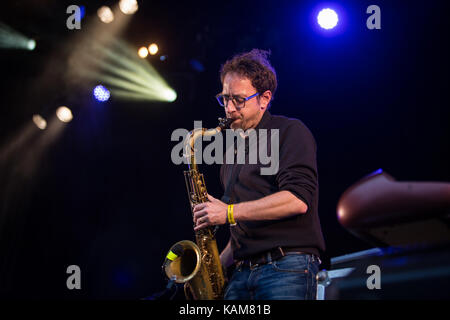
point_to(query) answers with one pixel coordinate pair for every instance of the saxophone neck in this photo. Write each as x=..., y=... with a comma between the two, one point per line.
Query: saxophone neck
x=198, y=133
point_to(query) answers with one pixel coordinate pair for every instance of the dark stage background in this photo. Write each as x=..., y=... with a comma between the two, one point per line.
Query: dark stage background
x=105, y=195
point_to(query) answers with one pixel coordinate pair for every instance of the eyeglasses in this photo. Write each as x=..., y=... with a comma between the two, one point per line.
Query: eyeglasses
x=239, y=102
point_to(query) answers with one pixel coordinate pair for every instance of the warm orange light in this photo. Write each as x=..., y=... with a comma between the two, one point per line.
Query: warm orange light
x=105, y=14
x=153, y=49
x=39, y=121
x=64, y=114
x=143, y=52
x=128, y=6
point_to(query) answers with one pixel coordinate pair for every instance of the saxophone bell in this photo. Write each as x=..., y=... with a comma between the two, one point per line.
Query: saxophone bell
x=183, y=265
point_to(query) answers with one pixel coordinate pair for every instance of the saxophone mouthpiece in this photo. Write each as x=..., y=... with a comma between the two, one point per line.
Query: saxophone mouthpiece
x=224, y=123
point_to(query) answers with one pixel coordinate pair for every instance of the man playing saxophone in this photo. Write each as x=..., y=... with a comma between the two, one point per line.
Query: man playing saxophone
x=275, y=233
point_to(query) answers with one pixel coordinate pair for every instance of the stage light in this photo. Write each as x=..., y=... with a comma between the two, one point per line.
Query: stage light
x=105, y=14
x=82, y=12
x=170, y=95
x=39, y=122
x=153, y=49
x=143, y=52
x=101, y=93
x=31, y=44
x=12, y=39
x=26, y=148
x=127, y=76
x=163, y=58
x=64, y=114
x=128, y=6
x=327, y=18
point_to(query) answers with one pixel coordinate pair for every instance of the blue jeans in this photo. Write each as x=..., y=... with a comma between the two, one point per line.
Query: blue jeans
x=292, y=277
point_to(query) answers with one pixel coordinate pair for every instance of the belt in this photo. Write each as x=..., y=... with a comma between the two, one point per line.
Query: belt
x=268, y=256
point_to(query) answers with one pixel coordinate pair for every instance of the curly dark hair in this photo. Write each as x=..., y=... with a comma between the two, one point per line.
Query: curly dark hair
x=255, y=66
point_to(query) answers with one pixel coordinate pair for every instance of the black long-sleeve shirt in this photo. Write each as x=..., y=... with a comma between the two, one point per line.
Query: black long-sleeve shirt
x=297, y=173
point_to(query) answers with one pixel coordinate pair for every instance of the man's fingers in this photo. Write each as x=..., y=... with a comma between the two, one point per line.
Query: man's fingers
x=201, y=222
x=198, y=215
x=200, y=206
x=200, y=226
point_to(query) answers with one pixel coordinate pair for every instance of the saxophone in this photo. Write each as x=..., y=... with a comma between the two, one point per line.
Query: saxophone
x=197, y=265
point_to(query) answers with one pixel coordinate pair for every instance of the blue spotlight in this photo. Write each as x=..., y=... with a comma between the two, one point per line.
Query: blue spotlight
x=327, y=18
x=83, y=12
x=101, y=93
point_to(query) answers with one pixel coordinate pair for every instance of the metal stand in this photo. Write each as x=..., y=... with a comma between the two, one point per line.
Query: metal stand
x=325, y=277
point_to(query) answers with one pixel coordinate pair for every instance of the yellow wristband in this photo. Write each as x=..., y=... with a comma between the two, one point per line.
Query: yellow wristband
x=230, y=215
